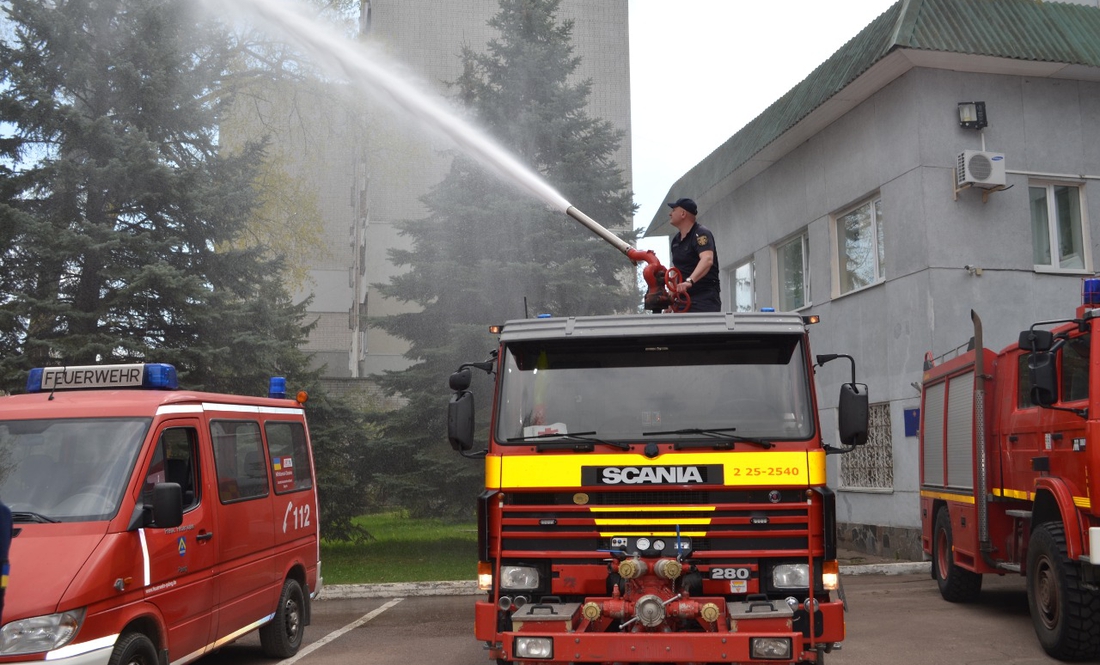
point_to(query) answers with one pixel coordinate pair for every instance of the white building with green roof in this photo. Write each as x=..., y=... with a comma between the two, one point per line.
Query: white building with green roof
x=845, y=198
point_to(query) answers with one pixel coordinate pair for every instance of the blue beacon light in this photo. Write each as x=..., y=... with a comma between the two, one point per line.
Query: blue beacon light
x=277, y=387
x=34, y=380
x=1090, y=291
x=160, y=375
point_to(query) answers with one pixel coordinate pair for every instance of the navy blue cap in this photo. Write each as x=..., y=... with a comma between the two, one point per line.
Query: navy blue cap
x=686, y=204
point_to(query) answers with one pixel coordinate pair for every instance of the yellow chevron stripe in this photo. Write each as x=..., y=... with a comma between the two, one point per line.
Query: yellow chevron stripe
x=947, y=496
x=650, y=509
x=1012, y=494
x=740, y=469
x=1081, y=502
x=664, y=534
x=672, y=522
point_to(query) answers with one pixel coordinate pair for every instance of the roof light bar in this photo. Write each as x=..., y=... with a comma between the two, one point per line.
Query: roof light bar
x=155, y=376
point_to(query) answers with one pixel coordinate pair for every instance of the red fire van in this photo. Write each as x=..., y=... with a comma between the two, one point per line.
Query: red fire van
x=152, y=524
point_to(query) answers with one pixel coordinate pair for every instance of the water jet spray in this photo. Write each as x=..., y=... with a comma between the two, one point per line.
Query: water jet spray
x=349, y=60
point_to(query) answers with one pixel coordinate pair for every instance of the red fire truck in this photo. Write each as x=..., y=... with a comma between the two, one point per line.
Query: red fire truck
x=153, y=524
x=1010, y=473
x=655, y=491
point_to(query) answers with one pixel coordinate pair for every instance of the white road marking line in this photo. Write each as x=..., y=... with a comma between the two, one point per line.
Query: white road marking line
x=337, y=633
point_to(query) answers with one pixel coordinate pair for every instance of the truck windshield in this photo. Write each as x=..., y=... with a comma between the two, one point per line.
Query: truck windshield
x=620, y=389
x=67, y=470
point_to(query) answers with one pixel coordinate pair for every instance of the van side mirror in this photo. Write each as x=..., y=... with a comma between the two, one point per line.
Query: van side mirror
x=167, y=505
x=853, y=414
x=1044, y=378
x=460, y=418
x=1036, y=340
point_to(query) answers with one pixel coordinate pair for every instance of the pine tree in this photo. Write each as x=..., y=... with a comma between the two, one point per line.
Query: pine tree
x=120, y=209
x=127, y=222
x=488, y=252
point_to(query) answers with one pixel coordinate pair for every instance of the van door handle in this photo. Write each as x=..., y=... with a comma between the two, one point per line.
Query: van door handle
x=204, y=536
x=1012, y=438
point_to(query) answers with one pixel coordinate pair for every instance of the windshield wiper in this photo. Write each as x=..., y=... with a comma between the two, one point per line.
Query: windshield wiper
x=23, y=516
x=722, y=433
x=567, y=441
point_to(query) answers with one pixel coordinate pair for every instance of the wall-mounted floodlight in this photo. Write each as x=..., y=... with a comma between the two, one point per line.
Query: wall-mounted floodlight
x=972, y=115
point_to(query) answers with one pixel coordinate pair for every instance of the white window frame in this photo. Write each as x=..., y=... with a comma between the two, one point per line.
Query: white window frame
x=1053, y=232
x=730, y=286
x=803, y=238
x=878, y=259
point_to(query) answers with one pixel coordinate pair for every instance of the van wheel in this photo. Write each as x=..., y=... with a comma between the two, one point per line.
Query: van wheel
x=957, y=585
x=282, y=636
x=1064, y=612
x=134, y=649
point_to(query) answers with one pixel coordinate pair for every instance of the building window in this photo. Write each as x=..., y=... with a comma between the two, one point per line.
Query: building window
x=871, y=466
x=1057, y=229
x=792, y=261
x=860, y=249
x=744, y=293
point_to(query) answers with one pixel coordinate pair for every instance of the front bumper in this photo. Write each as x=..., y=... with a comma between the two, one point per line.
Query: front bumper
x=728, y=642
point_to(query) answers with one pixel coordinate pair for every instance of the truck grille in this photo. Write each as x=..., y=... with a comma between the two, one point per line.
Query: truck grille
x=721, y=523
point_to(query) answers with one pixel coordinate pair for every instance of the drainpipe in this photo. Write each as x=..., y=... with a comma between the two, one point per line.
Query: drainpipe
x=979, y=415
x=984, y=544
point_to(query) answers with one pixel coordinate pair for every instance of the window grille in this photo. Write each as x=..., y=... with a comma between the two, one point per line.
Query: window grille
x=871, y=466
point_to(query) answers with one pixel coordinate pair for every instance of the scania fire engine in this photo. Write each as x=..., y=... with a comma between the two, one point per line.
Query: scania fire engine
x=655, y=490
x=1010, y=473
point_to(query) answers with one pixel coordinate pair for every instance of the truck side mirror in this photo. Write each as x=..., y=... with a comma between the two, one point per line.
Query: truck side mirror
x=460, y=418
x=460, y=380
x=167, y=505
x=853, y=414
x=1036, y=340
x=1044, y=378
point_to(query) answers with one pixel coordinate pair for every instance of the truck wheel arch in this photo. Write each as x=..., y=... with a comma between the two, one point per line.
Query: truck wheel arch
x=1053, y=501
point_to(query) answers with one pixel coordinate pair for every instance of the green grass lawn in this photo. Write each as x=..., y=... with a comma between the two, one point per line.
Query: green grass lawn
x=403, y=550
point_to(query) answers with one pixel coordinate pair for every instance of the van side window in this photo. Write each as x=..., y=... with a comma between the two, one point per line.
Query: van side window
x=175, y=460
x=286, y=442
x=239, y=458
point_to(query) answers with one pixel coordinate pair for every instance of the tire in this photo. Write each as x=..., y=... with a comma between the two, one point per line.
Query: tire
x=282, y=636
x=957, y=585
x=1066, y=616
x=134, y=649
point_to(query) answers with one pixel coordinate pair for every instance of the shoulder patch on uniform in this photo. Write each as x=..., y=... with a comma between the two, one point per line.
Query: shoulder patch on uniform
x=702, y=240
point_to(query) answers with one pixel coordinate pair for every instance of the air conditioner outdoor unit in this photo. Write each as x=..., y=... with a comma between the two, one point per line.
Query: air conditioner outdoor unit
x=980, y=169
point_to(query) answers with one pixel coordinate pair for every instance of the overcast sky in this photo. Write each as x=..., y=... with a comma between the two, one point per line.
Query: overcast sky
x=700, y=70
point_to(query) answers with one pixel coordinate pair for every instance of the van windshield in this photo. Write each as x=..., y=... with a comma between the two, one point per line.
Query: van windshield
x=631, y=389
x=67, y=470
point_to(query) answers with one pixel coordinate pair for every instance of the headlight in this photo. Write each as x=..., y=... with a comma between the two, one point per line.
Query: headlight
x=534, y=647
x=791, y=576
x=770, y=648
x=519, y=577
x=39, y=634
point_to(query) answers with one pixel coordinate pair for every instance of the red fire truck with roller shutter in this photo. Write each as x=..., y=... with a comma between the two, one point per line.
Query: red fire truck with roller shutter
x=1010, y=473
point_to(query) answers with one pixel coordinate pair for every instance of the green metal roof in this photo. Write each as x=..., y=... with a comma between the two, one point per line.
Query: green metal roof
x=1056, y=32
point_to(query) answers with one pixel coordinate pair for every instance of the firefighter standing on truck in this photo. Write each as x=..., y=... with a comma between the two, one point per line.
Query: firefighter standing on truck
x=694, y=254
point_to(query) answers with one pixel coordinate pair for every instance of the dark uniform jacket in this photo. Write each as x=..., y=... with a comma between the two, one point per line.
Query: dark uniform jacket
x=705, y=293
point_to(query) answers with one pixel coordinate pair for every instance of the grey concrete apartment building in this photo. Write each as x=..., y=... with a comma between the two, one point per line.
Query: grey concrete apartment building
x=376, y=167
x=844, y=199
